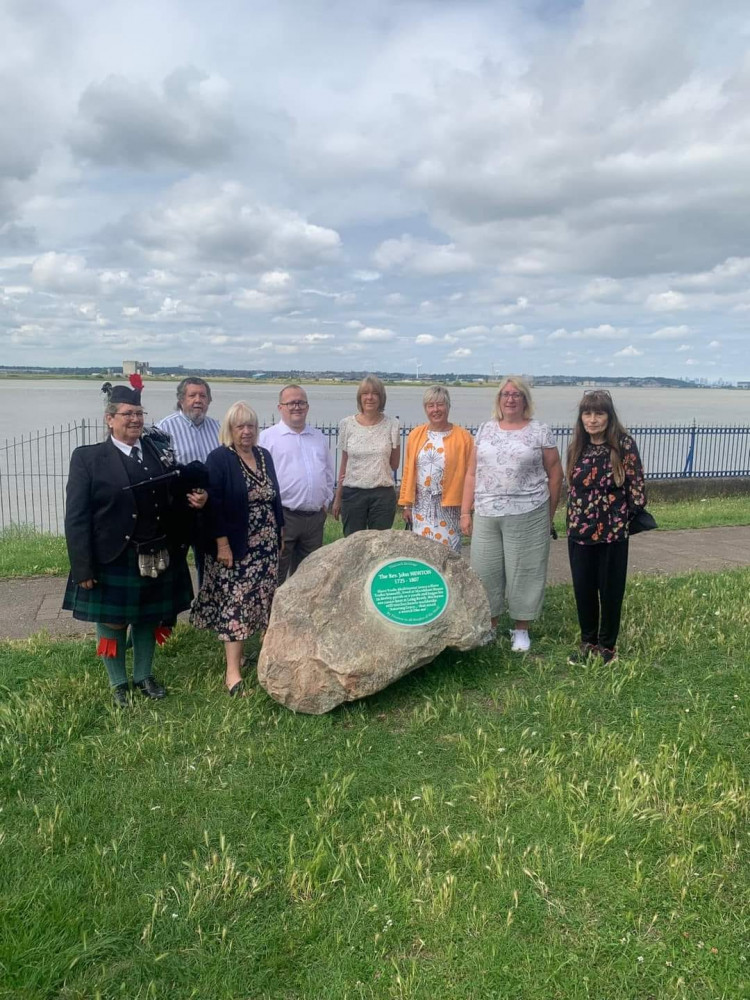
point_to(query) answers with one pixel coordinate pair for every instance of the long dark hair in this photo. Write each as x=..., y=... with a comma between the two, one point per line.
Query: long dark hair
x=598, y=401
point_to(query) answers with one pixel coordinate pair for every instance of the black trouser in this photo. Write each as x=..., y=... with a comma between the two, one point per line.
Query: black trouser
x=362, y=509
x=303, y=534
x=599, y=572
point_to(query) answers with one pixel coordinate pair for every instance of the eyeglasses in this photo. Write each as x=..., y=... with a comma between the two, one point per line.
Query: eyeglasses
x=511, y=395
x=599, y=392
x=131, y=414
x=296, y=404
x=242, y=427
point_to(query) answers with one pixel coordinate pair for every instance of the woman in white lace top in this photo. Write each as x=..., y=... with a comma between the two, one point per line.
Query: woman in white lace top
x=370, y=453
x=513, y=485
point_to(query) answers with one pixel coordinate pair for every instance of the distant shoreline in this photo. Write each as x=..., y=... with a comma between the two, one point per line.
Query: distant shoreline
x=606, y=382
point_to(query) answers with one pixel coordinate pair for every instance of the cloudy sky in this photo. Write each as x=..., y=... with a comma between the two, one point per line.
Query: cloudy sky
x=541, y=186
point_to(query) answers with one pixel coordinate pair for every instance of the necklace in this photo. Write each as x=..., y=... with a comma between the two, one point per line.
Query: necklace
x=247, y=465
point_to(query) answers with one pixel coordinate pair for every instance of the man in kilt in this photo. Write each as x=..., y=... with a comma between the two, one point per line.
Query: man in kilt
x=127, y=522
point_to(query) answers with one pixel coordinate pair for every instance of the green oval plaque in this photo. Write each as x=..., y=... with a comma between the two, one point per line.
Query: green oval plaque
x=408, y=592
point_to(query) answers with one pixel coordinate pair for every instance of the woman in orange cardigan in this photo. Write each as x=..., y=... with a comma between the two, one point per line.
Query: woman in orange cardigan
x=437, y=457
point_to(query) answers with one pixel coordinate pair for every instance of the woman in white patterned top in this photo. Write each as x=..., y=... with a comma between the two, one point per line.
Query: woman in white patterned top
x=370, y=452
x=513, y=485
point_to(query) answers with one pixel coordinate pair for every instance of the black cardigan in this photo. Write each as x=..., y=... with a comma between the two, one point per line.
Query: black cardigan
x=227, y=510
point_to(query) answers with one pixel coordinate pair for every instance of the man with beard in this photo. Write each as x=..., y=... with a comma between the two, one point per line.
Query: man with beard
x=192, y=433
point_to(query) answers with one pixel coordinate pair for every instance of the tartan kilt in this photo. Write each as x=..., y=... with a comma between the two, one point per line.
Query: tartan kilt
x=122, y=595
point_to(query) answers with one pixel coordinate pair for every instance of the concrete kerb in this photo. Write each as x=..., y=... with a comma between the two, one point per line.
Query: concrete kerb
x=33, y=604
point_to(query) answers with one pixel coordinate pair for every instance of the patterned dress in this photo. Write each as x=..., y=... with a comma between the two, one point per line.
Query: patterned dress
x=235, y=603
x=430, y=519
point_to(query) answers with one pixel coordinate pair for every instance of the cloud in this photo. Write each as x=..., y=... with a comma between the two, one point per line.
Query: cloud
x=257, y=301
x=732, y=272
x=603, y=332
x=601, y=290
x=670, y=332
x=473, y=331
x=63, y=272
x=316, y=338
x=628, y=352
x=460, y=352
x=196, y=222
x=376, y=334
x=187, y=121
x=575, y=175
x=666, y=301
x=421, y=257
x=275, y=281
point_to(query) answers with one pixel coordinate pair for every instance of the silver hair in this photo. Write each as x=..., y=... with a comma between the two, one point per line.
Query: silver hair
x=436, y=394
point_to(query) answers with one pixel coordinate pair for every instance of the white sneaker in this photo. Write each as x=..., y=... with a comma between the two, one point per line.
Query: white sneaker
x=519, y=640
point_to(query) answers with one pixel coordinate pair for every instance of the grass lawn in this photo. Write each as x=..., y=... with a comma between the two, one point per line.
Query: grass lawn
x=491, y=826
x=25, y=552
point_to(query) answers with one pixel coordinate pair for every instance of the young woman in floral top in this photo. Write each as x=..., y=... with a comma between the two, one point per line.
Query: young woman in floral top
x=606, y=489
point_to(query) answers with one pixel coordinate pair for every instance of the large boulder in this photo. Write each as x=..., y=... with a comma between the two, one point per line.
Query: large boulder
x=326, y=642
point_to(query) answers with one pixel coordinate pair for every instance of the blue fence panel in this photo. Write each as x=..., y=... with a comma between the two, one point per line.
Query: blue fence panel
x=34, y=467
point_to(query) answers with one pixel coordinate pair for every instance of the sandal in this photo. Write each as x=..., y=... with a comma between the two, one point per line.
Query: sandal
x=237, y=690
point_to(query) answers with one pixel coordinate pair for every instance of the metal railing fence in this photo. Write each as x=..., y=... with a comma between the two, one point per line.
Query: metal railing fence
x=34, y=467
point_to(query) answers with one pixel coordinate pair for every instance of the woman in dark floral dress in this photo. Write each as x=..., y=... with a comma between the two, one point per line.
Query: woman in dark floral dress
x=242, y=560
x=605, y=490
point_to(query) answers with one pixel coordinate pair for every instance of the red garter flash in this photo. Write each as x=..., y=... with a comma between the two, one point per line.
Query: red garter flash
x=107, y=647
x=161, y=634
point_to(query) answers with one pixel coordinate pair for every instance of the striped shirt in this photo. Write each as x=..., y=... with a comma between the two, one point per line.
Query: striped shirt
x=191, y=442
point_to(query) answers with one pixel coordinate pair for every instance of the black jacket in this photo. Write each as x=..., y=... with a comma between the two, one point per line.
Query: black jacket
x=101, y=516
x=227, y=510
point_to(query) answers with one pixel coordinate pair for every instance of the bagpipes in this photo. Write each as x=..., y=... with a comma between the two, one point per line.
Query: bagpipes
x=194, y=476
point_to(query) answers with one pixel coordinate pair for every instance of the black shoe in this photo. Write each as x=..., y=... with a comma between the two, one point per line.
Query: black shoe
x=583, y=654
x=151, y=688
x=120, y=695
x=608, y=655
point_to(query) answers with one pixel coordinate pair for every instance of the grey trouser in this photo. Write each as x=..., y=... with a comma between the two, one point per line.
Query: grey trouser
x=509, y=555
x=362, y=509
x=303, y=534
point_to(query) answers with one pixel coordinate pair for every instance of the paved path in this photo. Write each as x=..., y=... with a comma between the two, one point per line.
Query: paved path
x=32, y=604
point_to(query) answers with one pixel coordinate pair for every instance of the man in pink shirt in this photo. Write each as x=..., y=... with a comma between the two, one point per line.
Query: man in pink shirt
x=304, y=467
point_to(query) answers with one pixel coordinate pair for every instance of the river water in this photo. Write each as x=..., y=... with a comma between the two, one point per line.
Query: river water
x=28, y=405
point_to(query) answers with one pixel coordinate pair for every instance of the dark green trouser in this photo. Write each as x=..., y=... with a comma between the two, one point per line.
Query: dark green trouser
x=362, y=509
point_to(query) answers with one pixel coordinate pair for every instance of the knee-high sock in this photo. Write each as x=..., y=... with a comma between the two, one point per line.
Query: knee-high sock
x=111, y=648
x=144, y=641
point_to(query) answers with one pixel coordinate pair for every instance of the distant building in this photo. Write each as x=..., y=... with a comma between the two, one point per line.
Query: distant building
x=135, y=368
x=743, y=385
